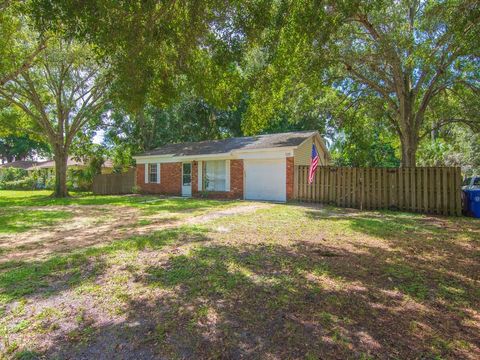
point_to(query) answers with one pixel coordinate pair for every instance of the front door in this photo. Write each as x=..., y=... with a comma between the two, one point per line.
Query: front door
x=187, y=179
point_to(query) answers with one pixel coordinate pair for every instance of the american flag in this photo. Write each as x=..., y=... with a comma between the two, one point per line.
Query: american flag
x=313, y=164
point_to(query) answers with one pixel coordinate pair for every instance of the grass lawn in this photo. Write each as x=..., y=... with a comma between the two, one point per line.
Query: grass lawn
x=138, y=277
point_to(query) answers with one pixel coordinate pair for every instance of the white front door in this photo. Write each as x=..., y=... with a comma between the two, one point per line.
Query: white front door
x=186, y=179
x=266, y=179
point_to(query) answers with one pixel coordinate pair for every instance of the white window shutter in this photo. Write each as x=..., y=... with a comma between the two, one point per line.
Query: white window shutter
x=200, y=175
x=227, y=175
x=146, y=173
x=158, y=173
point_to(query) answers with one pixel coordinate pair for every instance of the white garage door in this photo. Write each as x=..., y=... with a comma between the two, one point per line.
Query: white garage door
x=265, y=180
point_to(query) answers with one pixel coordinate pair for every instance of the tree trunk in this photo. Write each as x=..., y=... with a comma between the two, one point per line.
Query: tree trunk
x=61, y=157
x=409, y=142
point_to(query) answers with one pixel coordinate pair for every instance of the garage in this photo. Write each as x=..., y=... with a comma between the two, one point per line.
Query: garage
x=265, y=179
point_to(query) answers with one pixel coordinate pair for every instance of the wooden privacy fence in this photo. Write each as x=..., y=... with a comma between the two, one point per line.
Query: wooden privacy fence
x=111, y=184
x=432, y=190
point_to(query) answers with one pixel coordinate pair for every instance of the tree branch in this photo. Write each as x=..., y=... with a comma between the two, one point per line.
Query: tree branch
x=474, y=125
x=26, y=64
x=373, y=85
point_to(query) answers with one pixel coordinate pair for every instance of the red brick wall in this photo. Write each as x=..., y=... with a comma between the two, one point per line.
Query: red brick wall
x=236, y=183
x=236, y=178
x=194, y=177
x=170, y=179
x=290, y=178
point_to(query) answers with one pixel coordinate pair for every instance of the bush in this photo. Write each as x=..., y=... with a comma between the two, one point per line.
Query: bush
x=19, y=179
x=27, y=183
x=79, y=179
x=12, y=174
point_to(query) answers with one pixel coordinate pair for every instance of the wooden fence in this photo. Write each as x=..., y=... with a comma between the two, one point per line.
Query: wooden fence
x=432, y=190
x=111, y=184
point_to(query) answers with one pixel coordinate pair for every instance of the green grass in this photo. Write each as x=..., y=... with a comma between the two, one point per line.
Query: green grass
x=17, y=220
x=20, y=279
x=285, y=281
x=150, y=204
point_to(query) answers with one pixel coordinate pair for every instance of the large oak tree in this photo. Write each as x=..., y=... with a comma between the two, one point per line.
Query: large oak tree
x=61, y=94
x=402, y=57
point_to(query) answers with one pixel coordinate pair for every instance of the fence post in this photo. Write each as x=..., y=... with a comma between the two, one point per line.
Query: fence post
x=295, y=182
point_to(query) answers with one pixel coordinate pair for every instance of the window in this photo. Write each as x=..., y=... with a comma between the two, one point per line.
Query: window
x=187, y=174
x=153, y=173
x=215, y=175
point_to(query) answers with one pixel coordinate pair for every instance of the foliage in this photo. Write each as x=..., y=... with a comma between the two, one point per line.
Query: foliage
x=157, y=49
x=21, y=147
x=17, y=50
x=62, y=95
x=190, y=119
x=19, y=179
x=26, y=183
x=375, y=77
x=401, y=59
x=11, y=174
x=455, y=147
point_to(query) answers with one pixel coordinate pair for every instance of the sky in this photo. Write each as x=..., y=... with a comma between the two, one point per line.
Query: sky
x=99, y=135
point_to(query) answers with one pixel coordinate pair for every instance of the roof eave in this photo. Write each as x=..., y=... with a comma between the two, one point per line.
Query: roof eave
x=231, y=154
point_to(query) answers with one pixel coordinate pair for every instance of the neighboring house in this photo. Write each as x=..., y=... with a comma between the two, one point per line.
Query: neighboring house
x=21, y=164
x=107, y=167
x=254, y=168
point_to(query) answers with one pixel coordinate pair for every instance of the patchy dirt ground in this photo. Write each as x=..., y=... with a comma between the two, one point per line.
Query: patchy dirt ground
x=93, y=225
x=257, y=281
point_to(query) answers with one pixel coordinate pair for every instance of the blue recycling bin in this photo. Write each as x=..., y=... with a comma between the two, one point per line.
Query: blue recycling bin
x=472, y=199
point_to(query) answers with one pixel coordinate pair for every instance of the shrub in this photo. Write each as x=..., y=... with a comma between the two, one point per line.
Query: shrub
x=27, y=183
x=12, y=174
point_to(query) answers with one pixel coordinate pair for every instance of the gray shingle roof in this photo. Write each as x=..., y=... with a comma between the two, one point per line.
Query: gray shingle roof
x=20, y=164
x=226, y=145
x=50, y=164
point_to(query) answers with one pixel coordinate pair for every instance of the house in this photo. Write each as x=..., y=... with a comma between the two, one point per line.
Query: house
x=254, y=168
x=107, y=166
x=20, y=164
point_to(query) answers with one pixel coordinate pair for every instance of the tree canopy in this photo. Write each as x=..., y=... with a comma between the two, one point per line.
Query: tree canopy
x=386, y=83
x=60, y=95
x=415, y=63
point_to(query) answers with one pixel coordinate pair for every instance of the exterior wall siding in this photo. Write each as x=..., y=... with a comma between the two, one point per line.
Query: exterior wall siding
x=170, y=180
x=303, y=152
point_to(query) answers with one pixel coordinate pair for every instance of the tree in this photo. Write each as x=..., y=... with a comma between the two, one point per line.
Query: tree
x=61, y=95
x=189, y=119
x=158, y=50
x=17, y=53
x=13, y=148
x=407, y=54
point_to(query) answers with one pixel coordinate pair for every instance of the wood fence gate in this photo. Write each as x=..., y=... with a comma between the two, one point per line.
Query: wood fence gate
x=432, y=190
x=113, y=184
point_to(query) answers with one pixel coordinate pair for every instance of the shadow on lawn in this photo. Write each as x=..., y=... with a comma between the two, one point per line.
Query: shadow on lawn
x=16, y=221
x=149, y=203
x=274, y=301
x=20, y=279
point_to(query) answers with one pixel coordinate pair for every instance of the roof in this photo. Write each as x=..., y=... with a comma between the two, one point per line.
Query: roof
x=211, y=147
x=20, y=164
x=70, y=162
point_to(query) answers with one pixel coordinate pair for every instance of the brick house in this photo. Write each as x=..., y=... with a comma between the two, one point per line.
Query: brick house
x=254, y=168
